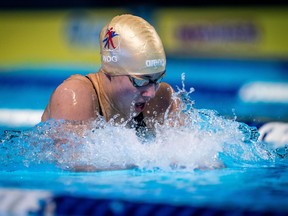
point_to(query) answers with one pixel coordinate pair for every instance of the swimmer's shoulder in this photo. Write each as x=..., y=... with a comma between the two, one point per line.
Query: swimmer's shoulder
x=165, y=90
x=162, y=101
x=74, y=99
x=78, y=83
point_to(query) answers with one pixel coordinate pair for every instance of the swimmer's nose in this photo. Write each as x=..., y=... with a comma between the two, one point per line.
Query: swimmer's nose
x=149, y=90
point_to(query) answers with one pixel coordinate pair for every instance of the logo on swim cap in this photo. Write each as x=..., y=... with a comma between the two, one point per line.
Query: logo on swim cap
x=110, y=42
x=129, y=45
x=155, y=62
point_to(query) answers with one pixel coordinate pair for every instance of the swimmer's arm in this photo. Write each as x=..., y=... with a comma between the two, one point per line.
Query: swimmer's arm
x=72, y=100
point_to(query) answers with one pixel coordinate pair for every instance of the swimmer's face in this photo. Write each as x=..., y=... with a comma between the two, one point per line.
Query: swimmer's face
x=131, y=94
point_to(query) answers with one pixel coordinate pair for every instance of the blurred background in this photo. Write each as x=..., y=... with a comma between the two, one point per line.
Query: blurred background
x=235, y=56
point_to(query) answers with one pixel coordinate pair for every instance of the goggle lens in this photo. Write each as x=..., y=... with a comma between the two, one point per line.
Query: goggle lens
x=137, y=82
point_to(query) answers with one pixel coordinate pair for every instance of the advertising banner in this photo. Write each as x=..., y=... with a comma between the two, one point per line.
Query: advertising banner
x=59, y=38
x=224, y=32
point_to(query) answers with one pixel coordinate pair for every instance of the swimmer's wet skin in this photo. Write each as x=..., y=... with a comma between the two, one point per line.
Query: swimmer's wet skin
x=127, y=89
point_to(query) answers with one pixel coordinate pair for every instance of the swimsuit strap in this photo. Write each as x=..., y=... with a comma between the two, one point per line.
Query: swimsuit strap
x=139, y=120
x=100, y=110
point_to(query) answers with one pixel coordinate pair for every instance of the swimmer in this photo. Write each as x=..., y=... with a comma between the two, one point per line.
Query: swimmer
x=127, y=87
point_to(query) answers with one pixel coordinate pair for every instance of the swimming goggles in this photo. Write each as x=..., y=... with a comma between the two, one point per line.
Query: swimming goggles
x=141, y=82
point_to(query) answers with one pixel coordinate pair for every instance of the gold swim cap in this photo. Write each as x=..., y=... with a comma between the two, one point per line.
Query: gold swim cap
x=129, y=45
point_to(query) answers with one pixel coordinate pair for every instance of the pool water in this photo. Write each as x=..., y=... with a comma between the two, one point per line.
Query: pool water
x=259, y=190
x=214, y=164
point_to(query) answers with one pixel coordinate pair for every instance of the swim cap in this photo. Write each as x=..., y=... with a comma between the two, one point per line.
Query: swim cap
x=129, y=45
